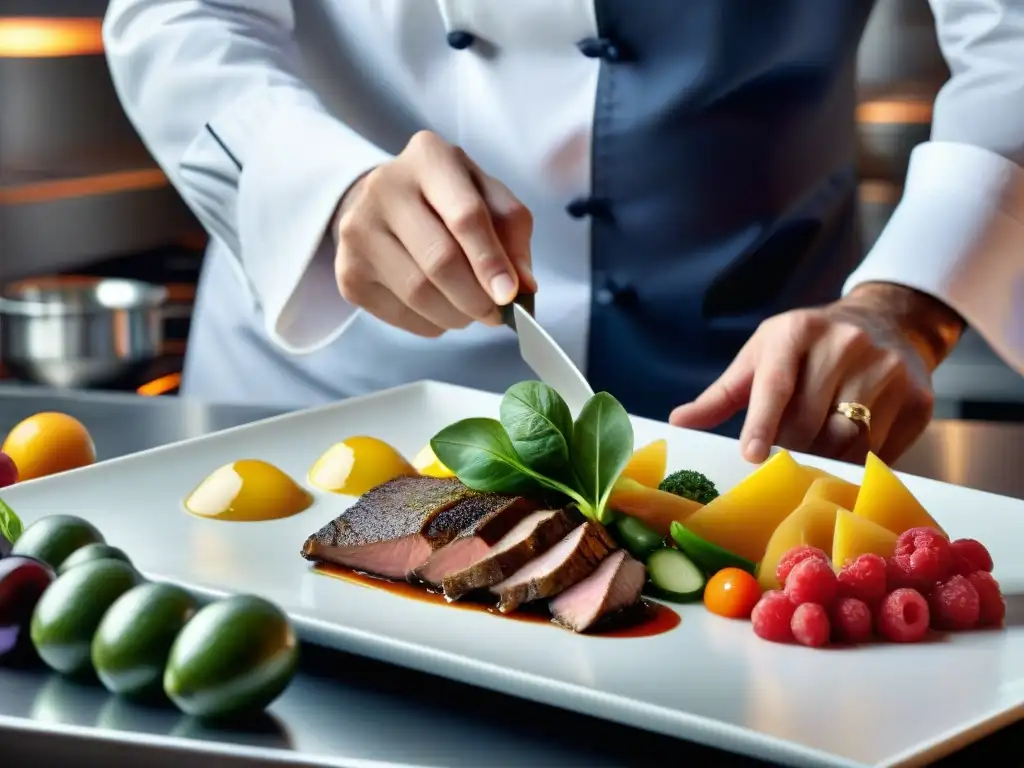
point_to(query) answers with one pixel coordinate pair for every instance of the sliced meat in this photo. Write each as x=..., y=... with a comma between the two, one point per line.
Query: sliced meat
x=615, y=585
x=392, y=529
x=533, y=535
x=567, y=563
x=489, y=517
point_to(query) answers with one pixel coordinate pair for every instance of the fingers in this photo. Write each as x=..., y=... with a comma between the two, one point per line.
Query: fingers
x=722, y=400
x=402, y=281
x=437, y=256
x=385, y=306
x=776, y=352
x=798, y=367
x=912, y=420
x=512, y=220
x=414, y=287
x=884, y=411
x=881, y=389
x=449, y=188
x=840, y=437
x=433, y=232
x=904, y=434
x=773, y=386
x=809, y=408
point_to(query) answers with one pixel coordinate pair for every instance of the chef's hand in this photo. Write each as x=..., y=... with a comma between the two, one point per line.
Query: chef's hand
x=877, y=347
x=428, y=242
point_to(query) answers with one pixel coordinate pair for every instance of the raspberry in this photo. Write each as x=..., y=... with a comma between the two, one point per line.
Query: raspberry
x=794, y=556
x=864, y=578
x=955, y=604
x=811, y=581
x=810, y=625
x=771, y=617
x=924, y=554
x=990, y=597
x=970, y=556
x=903, y=616
x=851, y=620
x=896, y=577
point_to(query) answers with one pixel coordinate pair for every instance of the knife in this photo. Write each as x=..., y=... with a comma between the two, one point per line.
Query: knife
x=544, y=356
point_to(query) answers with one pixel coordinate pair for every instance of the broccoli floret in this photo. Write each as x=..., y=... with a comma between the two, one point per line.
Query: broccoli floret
x=690, y=485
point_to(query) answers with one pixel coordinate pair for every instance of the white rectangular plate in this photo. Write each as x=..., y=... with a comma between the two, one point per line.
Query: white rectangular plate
x=709, y=680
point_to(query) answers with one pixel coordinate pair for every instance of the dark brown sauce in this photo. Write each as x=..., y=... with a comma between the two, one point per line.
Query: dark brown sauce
x=645, y=619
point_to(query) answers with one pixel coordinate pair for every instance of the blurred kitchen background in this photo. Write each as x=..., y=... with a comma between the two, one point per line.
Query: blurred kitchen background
x=79, y=195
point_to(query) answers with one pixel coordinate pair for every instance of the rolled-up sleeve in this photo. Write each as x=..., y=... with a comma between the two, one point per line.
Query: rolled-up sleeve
x=958, y=232
x=215, y=91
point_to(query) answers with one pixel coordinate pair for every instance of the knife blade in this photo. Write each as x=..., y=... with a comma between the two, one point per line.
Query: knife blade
x=544, y=356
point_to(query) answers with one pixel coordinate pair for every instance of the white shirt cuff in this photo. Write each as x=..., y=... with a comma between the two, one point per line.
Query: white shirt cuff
x=958, y=235
x=296, y=161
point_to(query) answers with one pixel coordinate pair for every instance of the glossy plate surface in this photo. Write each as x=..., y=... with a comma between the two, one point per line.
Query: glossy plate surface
x=709, y=680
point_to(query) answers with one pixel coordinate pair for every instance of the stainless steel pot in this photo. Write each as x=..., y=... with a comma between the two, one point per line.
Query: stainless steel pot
x=79, y=332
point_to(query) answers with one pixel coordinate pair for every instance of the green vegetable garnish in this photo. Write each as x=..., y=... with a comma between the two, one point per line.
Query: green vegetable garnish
x=674, y=576
x=602, y=444
x=482, y=456
x=539, y=424
x=690, y=485
x=10, y=523
x=636, y=537
x=711, y=558
x=537, y=445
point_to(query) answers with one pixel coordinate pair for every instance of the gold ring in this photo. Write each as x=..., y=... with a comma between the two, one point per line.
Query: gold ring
x=857, y=413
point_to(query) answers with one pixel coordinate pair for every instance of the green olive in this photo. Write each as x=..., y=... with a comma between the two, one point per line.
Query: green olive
x=90, y=552
x=52, y=539
x=70, y=610
x=134, y=639
x=235, y=656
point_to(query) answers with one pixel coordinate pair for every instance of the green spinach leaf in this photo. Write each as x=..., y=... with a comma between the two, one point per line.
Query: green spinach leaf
x=602, y=444
x=482, y=456
x=539, y=424
x=10, y=523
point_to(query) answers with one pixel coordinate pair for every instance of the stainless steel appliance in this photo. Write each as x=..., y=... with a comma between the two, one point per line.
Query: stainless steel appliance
x=80, y=194
x=80, y=332
x=173, y=272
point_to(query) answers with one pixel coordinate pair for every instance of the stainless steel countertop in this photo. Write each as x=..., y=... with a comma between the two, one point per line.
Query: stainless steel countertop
x=353, y=709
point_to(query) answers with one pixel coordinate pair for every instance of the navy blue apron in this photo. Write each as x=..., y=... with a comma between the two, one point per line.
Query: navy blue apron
x=724, y=187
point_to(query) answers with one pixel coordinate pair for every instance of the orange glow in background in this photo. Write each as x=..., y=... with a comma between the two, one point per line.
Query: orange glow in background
x=895, y=111
x=160, y=386
x=34, y=38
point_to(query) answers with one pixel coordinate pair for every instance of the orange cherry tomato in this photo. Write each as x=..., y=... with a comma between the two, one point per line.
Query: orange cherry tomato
x=732, y=593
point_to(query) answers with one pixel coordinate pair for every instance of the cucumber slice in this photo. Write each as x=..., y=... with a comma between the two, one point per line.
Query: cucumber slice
x=709, y=557
x=673, y=576
x=638, y=538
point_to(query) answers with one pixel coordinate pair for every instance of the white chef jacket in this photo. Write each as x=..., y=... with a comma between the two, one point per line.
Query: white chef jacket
x=215, y=88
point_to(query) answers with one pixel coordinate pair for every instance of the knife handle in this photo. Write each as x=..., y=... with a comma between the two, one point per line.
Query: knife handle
x=508, y=315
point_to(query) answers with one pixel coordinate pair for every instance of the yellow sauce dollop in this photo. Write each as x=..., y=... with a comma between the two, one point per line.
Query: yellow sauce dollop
x=248, y=490
x=427, y=464
x=357, y=464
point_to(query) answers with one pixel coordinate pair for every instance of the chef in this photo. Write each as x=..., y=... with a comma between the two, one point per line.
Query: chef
x=675, y=180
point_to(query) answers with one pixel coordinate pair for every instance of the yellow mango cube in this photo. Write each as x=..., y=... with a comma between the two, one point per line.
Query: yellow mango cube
x=854, y=536
x=885, y=500
x=743, y=519
x=809, y=525
x=834, y=489
x=648, y=464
